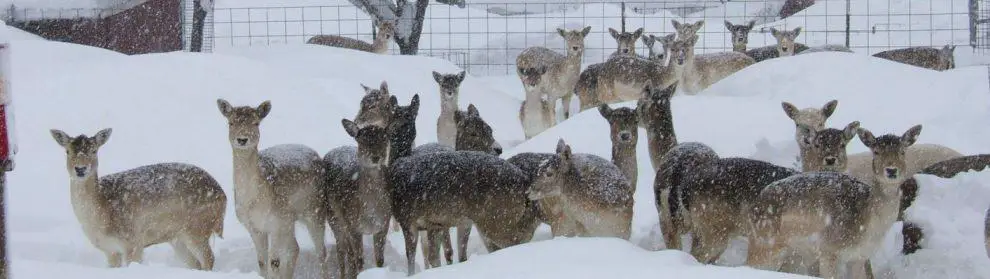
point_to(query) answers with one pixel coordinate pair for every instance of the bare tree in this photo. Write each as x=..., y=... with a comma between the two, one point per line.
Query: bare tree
x=407, y=15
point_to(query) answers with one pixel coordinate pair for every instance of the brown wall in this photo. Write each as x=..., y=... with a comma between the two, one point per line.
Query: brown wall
x=155, y=26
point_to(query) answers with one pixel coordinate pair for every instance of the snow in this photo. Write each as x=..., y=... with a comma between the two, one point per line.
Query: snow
x=162, y=108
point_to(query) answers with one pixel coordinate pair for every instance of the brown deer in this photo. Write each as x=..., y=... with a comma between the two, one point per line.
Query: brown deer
x=562, y=70
x=273, y=189
x=813, y=118
x=624, y=130
x=925, y=57
x=849, y=217
x=380, y=46
x=657, y=118
x=548, y=209
x=626, y=42
x=786, y=46
x=681, y=160
x=375, y=108
x=436, y=191
x=686, y=30
x=124, y=212
x=697, y=72
x=535, y=113
x=825, y=149
x=740, y=35
x=593, y=192
x=622, y=78
x=449, y=91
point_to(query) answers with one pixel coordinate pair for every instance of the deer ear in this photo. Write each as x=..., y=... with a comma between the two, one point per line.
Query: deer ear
x=700, y=23
x=61, y=137
x=461, y=75
x=367, y=89
x=473, y=111
x=774, y=32
x=585, y=31
x=437, y=77
x=560, y=145
x=850, y=131
x=668, y=92
x=384, y=87
x=728, y=25
x=615, y=34
x=829, y=108
x=638, y=32
x=790, y=110
x=263, y=109
x=563, y=150
x=393, y=101
x=414, y=105
x=797, y=31
x=350, y=127
x=675, y=23
x=866, y=137
x=751, y=24
x=225, y=107
x=562, y=32
x=911, y=135
x=102, y=136
x=605, y=111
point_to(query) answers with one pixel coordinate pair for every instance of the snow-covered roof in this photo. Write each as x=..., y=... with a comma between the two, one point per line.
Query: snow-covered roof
x=43, y=9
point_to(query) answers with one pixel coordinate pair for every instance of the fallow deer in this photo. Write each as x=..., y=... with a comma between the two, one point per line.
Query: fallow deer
x=697, y=72
x=562, y=70
x=740, y=35
x=624, y=131
x=125, y=212
x=622, y=78
x=625, y=41
x=925, y=57
x=656, y=117
x=449, y=92
x=535, y=113
x=786, y=46
x=681, y=160
x=380, y=46
x=686, y=30
x=375, y=108
x=273, y=189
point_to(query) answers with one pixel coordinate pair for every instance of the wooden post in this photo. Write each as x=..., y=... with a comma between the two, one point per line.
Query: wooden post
x=7, y=151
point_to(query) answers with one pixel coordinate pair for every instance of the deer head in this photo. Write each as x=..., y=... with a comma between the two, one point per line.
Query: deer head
x=623, y=124
x=81, y=152
x=449, y=85
x=825, y=150
x=685, y=30
x=785, y=40
x=740, y=34
x=626, y=41
x=375, y=108
x=889, y=160
x=474, y=134
x=552, y=174
x=243, y=123
x=575, y=40
x=814, y=118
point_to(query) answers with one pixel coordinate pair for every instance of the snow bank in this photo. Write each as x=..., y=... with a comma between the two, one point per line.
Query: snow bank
x=34, y=269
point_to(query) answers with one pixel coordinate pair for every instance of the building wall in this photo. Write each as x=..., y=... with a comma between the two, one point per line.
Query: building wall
x=154, y=26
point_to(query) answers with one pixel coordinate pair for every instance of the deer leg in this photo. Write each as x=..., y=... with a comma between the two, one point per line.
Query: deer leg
x=448, y=247
x=463, y=235
x=435, y=236
x=379, y=247
x=709, y=246
x=317, y=232
x=428, y=249
x=828, y=265
x=260, y=240
x=284, y=252
x=762, y=254
x=912, y=238
x=566, y=103
x=114, y=259
x=199, y=247
x=135, y=255
x=355, y=254
x=184, y=254
x=410, y=235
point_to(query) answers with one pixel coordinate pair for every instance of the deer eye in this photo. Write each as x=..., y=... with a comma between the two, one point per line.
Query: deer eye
x=549, y=174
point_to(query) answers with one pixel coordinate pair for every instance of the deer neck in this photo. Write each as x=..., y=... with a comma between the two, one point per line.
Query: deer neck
x=806, y=163
x=380, y=45
x=572, y=64
x=87, y=203
x=249, y=183
x=739, y=48
x=624, y=157
x=374, y=199
x=660, y=129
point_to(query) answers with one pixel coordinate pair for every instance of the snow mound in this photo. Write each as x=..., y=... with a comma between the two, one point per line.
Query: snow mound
x=585, y=258
x=34, y=269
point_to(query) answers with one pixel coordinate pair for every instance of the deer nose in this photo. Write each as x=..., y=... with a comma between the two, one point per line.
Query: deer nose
x=625, y=51
x=625, y=136
x=891, y=172
x=829, y=161
x=783, y=48
x=242, y=141
x=498, y=150
x=80, y=171
x=574, y=48
x=376, y=159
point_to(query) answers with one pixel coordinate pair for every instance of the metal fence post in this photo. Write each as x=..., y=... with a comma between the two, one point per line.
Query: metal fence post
x=848, y=21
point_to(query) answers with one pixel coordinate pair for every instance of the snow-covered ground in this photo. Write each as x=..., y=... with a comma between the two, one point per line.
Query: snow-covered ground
x=162, y=108
x=487, y=43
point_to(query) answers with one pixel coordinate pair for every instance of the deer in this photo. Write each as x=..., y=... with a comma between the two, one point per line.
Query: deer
x=624, y=131
x=925, y=57
x=686, y=30
x=665, y=43
x=682, y=159
x=813, y=118
x=436, y=191
x=697, y=72
x=273, y=189
x=449, y=91
x=740, y=35
x=375, y=108
x=850, y=216
x=650, y=41
x=626, y=41
x=786, y=46
x=548, y=209
x=622, y=78
x=125, y=212
x=593, y=192
x=657, y=118
x=380, y=46
x=535, y=113
x=562, y=70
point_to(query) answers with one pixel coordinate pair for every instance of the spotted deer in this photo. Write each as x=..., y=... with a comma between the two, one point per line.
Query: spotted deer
x=380, y=46
x=273, y=189
x=786, y=46
x=624, y=131
x=357, y=195
x=561, y=70
x=740, y=35
x=848, y=216
x=124, y=212
x=375, y=108
x=622, y=78
x=681, y=160
x=925, y=57
x=593, y=192
x=658, y=120
x=697, y=72
x=449, y=91
x=626, y=42
x=535, y=113
x=436, y=191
